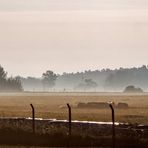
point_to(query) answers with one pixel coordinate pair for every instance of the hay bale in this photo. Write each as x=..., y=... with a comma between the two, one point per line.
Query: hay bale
x=122, y=105
x=81, y=105
x=97, y=105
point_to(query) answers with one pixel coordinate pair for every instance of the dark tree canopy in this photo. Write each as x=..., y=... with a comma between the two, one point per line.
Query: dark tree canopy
x=3, y=74
x=9, y=84
x=48, y=79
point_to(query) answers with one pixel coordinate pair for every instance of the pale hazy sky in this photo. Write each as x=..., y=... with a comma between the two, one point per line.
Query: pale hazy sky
x=72, y=35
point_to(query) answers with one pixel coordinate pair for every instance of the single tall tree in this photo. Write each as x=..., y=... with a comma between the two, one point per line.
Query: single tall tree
x=48, y=79
x=9, y=84
x=3, y=76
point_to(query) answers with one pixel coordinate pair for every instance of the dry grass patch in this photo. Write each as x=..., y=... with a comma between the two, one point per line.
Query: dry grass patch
x=47, y=106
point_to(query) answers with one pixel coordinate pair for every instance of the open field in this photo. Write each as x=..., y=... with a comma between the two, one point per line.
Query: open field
x=47, y=105
x=18, y=131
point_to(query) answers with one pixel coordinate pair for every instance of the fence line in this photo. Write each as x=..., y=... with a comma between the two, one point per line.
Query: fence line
x=69, y=121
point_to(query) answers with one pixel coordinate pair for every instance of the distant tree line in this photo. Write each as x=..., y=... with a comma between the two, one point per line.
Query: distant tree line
x=98, y=80
x=9, y=84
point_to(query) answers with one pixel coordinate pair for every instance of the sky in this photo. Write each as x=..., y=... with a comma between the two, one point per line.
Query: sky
x=72, y=35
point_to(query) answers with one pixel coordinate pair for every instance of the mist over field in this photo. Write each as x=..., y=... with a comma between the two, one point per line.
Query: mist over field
x=96, y=81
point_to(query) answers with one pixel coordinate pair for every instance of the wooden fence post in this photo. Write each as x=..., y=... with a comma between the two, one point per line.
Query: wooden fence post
x=113, y=125
x=69, y=110
x=33, y=118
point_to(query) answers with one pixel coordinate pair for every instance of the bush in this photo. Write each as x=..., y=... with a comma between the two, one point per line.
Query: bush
x=133, y=89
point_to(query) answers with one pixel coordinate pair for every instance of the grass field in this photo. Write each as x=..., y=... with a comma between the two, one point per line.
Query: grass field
x=47, y=105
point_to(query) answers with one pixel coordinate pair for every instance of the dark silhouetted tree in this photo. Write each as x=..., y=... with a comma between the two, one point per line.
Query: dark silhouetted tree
x=48, y=79
x=3, y=76
x=9, y=84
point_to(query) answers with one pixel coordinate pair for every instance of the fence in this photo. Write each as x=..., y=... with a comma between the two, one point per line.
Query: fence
x=70, y=123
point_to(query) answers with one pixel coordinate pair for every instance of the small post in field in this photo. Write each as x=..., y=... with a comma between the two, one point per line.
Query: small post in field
x=113, y=125
x=33, y=118
x=69, y=110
